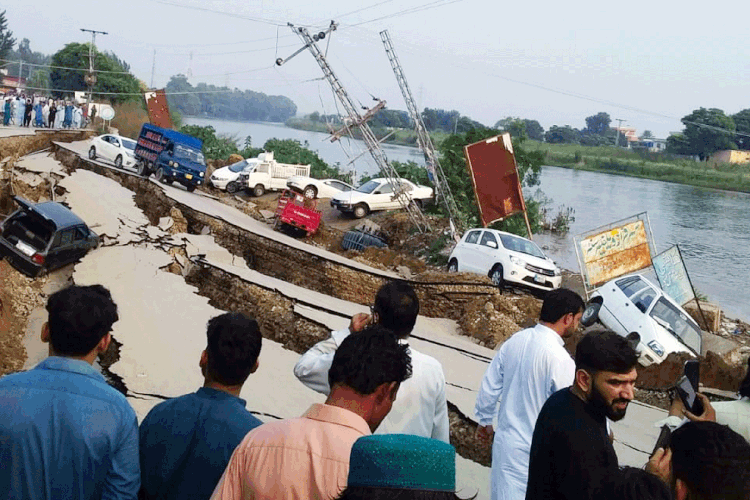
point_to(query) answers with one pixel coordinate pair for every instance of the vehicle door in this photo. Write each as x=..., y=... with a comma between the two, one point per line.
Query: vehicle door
x=626, y=306
x=61, y=250
x=487, y=255
x=115, y=147
x=81, y=244
x=380, y=199
x=468, y=251
x=107, y=148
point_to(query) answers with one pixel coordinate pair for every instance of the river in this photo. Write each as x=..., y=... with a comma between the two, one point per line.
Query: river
x=709, y=225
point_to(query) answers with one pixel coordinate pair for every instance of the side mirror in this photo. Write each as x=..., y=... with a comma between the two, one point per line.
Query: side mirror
x=492, y=244
x=376, y=192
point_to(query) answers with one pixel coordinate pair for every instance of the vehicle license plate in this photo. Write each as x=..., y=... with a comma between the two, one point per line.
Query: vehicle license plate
x=188, y=176
x=538, y=278
x=25, y=249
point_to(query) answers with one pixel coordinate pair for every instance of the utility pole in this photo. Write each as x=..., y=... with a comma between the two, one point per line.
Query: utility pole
x=356, y=120
x=153, y=69
x=619, y=124
x=20, y=72
x=442, y=190
x=90, y=77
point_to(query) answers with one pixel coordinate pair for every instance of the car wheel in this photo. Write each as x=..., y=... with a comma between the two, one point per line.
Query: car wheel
x=118, y=161
x=453, y=266
x=259, y=190
x=190, y=188
x=417, y=203
x=143, y=169
x=590, y=314
x=310, y=192
x=233, y=187
x=160, y=175
x=92, y=153
x=496, y=275
x=360, y=211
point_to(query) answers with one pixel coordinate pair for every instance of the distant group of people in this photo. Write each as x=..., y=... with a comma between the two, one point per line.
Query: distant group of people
x=44, y=112
x=381, y=433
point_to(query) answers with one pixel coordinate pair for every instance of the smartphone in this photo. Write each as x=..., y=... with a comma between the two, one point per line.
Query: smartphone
x=665, y=436
x=688, y=396
x=692, y=372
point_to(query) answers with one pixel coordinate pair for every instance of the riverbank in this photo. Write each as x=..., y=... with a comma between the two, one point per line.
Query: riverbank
x=645, y=165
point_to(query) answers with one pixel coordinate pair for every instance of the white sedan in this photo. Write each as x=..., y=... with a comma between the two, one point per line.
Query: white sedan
x=225, y=178
x=317, y=188
x=113, y=148
x=634, y=304
x=505, y=258
x=380, y=194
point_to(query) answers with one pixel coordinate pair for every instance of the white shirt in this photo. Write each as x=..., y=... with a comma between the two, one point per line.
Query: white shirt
x=420, y=408
x=528, y=369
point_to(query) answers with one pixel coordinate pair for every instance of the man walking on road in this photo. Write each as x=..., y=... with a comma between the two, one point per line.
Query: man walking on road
x=65, y=433
x=528, y=368
x=421, y=408
x=571, y=451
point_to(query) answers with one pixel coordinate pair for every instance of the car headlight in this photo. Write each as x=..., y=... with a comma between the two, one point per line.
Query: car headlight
x=558, y=272
x=203, y=174
x=657, y=348
x=517, y=261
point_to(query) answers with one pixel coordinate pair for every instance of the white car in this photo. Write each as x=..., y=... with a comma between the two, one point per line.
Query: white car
x=634, y=304
x=113, y=148
x=504, y=257
x=316, y=188
x=379, y=194
x=225, y=178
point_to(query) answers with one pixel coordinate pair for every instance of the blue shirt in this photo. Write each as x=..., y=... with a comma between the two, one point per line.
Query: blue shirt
x=65, y=433
x=186, y=443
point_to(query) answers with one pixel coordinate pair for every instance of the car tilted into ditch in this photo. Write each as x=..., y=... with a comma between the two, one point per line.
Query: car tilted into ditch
x=380, y=194
x=41, y=237
x=505, y=258
x=113, y=148
x=633, y=304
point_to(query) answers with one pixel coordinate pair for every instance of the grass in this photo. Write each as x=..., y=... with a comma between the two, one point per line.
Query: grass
x=620, y=161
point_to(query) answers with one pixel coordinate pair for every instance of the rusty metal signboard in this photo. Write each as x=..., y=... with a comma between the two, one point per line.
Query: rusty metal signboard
x=494, y=175
x=158, y=109
x=610, y=251
x=673, y=276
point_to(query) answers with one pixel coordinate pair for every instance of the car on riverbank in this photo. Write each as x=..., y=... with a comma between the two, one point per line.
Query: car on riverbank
x=317, y=188
x=225, y=178
x=505, y=258
x=45, y=236
x=113, y=148
x=380, y=194
x=634, y=304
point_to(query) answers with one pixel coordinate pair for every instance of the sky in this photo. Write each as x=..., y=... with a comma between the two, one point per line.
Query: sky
x=556, y=62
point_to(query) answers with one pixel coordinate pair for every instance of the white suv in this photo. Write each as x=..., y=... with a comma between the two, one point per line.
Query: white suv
x=504, y=257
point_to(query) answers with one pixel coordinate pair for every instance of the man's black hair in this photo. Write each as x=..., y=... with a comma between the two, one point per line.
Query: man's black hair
x=712, y=460
x=605, y=351
x=79, y=317
x=368, y=359
x=557, y=303
x=745, y=385
x=630, y=483
x=234, y=342
x=397, y=307
x=367, y=493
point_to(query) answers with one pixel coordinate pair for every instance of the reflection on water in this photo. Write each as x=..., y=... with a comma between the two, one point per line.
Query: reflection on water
x=709, y=225
x=341, y=152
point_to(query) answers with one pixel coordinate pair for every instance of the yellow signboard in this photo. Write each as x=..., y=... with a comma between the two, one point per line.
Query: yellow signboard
x=614, y=252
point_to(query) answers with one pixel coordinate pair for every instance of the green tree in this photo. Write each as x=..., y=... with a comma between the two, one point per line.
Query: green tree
x=32, y=61
x=534, y=130
x=112, y=78
x=678, y=144
x=562, y=135
x=39, y=80
x=292, y=151
x=6, y=37
x=598, y=123
x=708, y=131
x=742, y=122
x=647, y=134
x=215, y=147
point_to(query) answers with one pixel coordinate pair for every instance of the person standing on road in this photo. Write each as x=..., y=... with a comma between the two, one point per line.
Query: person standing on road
x=421, y=408
x=65, y=433
x=528, y=369
x=186, y=442
x=571, y=452
x=52, y=114
x=28, y=108
x=7, y=111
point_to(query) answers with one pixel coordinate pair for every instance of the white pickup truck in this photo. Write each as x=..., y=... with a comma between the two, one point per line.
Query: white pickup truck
x=269, y=175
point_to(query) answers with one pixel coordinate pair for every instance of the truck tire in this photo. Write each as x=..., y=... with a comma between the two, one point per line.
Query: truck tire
x=233, y=187
x=160, y=175
x=143, y=170
x=360, y=211
x=92, y=153
x=310, y=192
x=259, y=190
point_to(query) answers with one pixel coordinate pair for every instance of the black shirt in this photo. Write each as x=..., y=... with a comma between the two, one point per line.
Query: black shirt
x=570, y=451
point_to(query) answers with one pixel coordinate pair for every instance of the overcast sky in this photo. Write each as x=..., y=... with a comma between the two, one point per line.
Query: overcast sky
x=557, y=62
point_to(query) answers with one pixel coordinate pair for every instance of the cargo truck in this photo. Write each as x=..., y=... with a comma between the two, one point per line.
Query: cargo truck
x=269, y=175
x=171, y=156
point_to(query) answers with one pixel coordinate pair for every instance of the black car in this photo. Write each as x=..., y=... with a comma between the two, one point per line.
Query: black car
x=44, y=236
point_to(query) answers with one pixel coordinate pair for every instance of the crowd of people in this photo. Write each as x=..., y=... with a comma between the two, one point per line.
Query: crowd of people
x=38, y=111
x=381, y=433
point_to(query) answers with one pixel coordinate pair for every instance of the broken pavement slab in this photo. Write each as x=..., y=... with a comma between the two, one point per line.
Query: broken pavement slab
x=41, y=163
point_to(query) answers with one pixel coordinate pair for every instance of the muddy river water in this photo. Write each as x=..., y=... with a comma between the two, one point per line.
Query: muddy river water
x=711, y=226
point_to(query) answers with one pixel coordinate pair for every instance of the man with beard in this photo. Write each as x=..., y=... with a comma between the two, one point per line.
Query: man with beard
x=529, y=367
x=571, y=451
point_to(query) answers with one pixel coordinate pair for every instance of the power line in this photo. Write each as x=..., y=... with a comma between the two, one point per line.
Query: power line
x=66, y=67
x=224, y=13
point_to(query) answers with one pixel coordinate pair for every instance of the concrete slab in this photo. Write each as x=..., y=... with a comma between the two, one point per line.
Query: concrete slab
x=12, y=131
x=41, y=163
x=206, y=245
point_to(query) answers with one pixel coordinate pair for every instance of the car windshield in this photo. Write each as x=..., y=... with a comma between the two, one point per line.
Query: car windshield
x=239, y=166
x=678, y=323
x=522, y=245
x=129, y=144
x=368, y=187
x=28, y=229
x=189, y=154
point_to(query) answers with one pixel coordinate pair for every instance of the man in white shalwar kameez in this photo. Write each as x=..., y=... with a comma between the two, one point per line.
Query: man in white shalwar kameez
x=527, y=369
